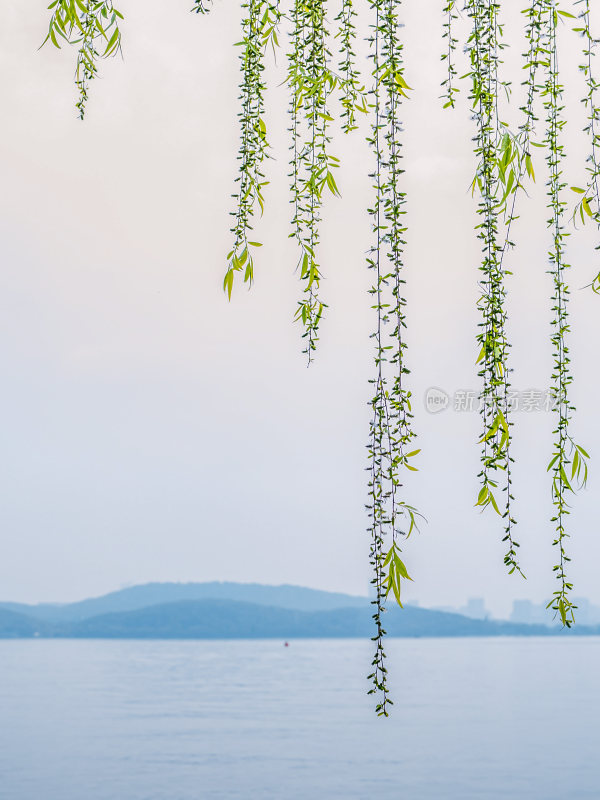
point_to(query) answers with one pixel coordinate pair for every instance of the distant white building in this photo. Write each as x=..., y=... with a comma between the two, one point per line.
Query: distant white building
x=529, y=613
x=475, y=608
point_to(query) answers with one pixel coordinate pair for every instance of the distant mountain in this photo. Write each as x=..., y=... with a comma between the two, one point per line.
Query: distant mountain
x=18, y=626
x=153, y=594
x=229, y=619
x=226, y=619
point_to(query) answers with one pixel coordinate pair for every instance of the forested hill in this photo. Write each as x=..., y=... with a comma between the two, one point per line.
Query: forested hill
x=151, y=594
x=229, y=619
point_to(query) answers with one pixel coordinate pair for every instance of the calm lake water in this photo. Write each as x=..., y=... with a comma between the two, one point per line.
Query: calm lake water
x=125, y=720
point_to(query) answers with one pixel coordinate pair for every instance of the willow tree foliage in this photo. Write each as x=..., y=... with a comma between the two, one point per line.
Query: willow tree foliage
x=324, y=78
x=93, y=27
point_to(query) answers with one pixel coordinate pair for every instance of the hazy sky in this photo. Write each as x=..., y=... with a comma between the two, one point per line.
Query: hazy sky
x=152, y=431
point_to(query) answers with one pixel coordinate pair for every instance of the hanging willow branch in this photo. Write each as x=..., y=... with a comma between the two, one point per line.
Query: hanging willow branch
x=567, y=457
x=514, y=162
x=391, y=423
x=353, y=98
x=93, y=25
x=311, y=84
x=589, y=203
x=495, y=181
x=449, y=84
x=521, y=163
x=259, y=27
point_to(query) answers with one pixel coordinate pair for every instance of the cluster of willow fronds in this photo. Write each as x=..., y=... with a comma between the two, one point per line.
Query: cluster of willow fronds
x=504, y=163
x=317, y=81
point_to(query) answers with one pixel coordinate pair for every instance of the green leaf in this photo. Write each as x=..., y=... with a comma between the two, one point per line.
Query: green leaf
x=563, y=611
x=228, y=282
x=529, y=167
x=494, y=504
x=332, y=184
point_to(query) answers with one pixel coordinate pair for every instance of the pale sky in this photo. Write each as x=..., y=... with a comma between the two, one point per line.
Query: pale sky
x=152, y=431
